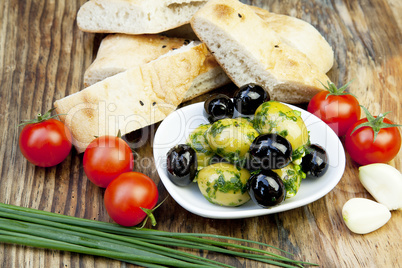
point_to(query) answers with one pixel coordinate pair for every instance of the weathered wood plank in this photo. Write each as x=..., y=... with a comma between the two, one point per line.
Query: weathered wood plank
x=43, y=56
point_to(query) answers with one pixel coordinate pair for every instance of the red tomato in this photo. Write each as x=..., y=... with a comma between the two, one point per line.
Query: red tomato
x=45, y=143
x=363, y=149
x=127, y=194
x=337, y=109
x=106, y=158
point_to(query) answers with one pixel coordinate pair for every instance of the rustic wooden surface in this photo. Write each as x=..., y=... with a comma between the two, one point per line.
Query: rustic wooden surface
x=43, y=56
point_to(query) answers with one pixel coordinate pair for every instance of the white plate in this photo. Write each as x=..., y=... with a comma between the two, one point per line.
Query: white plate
x=178, y=125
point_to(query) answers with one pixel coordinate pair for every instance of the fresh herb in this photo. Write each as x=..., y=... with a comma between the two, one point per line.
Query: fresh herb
x=297, y=113
x=220, y=151
x=254, y=172
x=298, y=153
x=290, y=172
x=234, y=184
x=233, y=157
x=217, y=128
x=284, y=133
x=251, y=136
x=288, y=115
x=142, y=247
x=292, y=184
x=198, y=142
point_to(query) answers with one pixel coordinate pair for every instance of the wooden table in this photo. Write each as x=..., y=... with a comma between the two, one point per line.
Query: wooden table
x=43, y=56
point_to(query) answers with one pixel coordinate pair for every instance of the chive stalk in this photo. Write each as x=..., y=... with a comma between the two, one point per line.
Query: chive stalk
x=143, y=247
x=72, y=231
x=114, y=228
x=57, y=245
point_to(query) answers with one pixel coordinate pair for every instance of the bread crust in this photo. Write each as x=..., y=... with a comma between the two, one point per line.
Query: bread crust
x=130, y=100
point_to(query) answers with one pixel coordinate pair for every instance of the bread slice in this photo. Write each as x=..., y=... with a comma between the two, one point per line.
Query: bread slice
x=135, y=16
x=120, y=52
x=251, y=52
x=133, y=99
x=295, y=32
x=300, y=35
x=211, y=76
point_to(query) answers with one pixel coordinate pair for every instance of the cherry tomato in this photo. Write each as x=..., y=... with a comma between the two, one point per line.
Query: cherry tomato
x=377, y=140
x=106, y=158
x=364, y=150
x=339, y=110
x=45, y=142
x=127, y=194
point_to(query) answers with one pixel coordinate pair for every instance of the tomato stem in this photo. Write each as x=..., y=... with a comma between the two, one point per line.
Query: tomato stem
x=150, y=214
x=375, y=123
x=40, y=118
x=335, y=91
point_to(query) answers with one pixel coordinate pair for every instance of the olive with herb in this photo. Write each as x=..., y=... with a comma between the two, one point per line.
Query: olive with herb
x=231, y=138
x=291, y=176
x=224, y=184
x=315, y=162
x=197, y=141
x=248, y=98
x=218, y=106
x=181, y=164
x=266, y=189
x=276, y=117
x=270, y=151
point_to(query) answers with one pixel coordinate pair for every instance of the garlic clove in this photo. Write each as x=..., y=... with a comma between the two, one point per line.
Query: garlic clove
x=384, y=183
x=363, y=216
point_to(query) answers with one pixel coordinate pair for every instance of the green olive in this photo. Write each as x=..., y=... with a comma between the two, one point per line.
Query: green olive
x=245, y=121
x=224, y=184
x=231, y=138
x=291, y=176
x=276, y=117
x=198, y=142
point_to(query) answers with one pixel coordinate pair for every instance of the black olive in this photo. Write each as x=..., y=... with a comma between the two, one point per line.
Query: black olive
x=266, y=188
x=182, y=164
x=218, y=106
x=270, y=151
x=248, y=97
x=315, y=162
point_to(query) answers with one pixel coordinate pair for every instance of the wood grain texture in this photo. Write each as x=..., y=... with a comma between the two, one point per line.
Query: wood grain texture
x=43, y=56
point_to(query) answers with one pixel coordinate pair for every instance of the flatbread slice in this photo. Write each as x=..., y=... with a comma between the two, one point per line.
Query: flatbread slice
x=295, y=32
x=135, y=16
x=251, y=52
x=138, y=97
x=120, y=52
